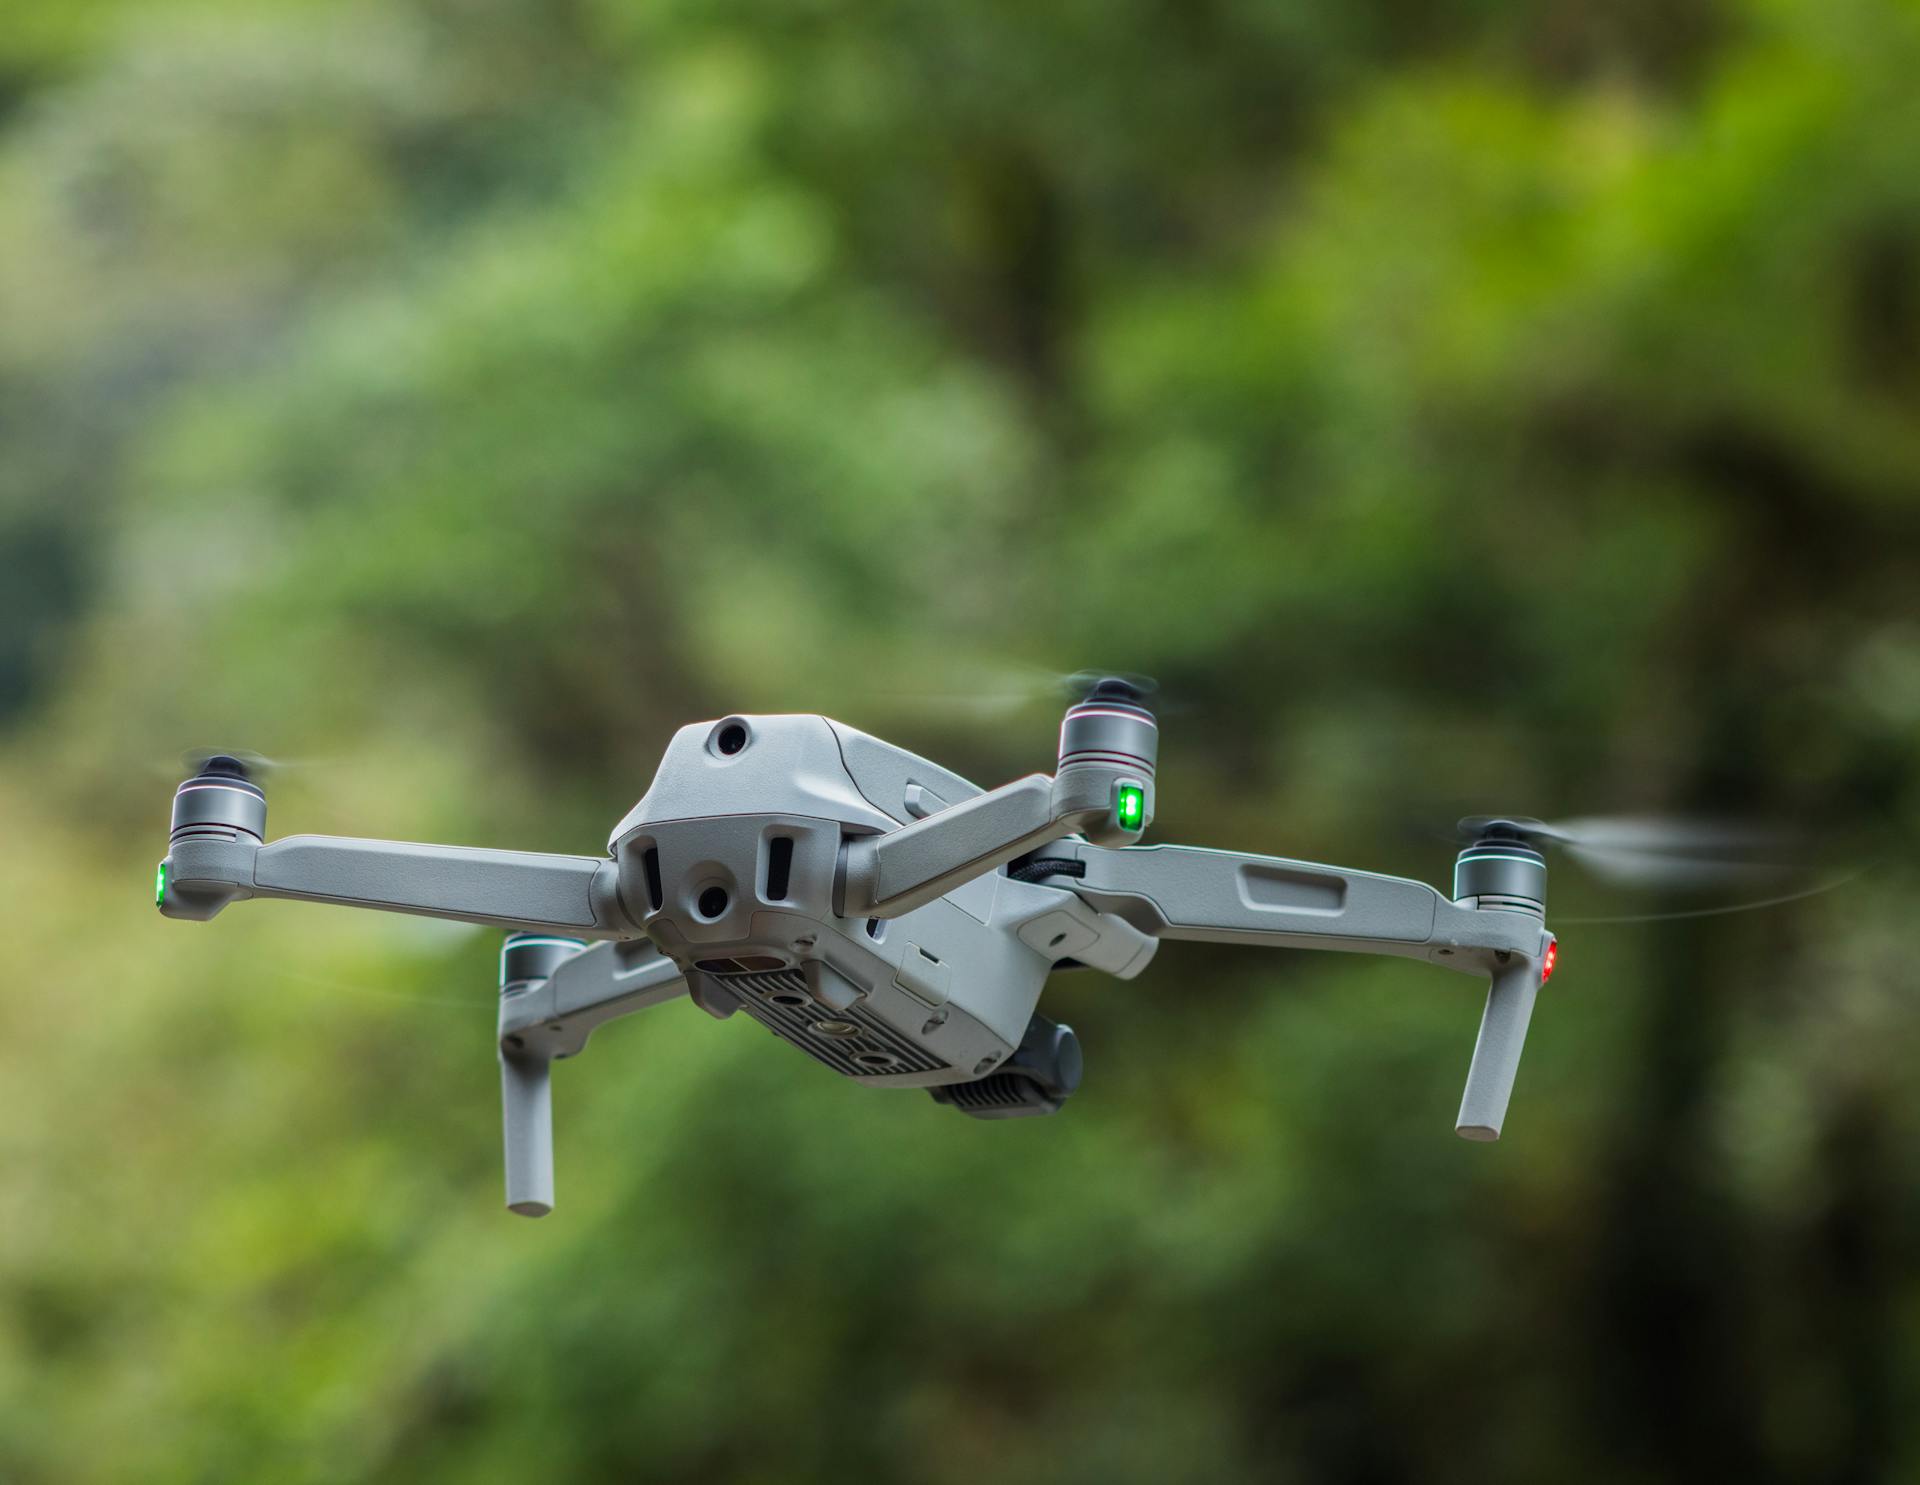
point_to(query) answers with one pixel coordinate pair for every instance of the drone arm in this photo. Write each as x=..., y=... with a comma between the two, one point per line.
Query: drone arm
x=1496, y=1053
x=507, y=889
x=1187, y=892
x=526, y=1123
x=556, y=1014
x=887, y=875
x=549, y=1016
x=519, y=889
x=1225, y=897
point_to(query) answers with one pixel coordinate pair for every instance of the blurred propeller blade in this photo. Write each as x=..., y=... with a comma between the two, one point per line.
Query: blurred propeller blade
x=996, y=690
x=973, y=690
x=1819, y=889
x=254, y=765
x=1081, y=684
x=1660, y=851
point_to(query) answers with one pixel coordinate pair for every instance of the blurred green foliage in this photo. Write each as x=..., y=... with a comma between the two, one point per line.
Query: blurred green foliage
x=1459, y=406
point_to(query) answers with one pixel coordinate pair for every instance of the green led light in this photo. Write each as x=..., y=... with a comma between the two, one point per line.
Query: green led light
x=160, y=884
x=1130, y=807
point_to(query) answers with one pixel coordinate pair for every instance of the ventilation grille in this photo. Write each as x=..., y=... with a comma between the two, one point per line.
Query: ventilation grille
x=995, y=1091
x=779, y=867
x=874, y=1042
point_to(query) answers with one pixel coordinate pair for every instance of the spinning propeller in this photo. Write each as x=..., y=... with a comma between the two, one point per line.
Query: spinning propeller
x=997, y=690
x=1651, y=850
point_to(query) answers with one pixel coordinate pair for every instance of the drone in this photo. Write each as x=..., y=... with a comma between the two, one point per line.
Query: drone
x=875, y=910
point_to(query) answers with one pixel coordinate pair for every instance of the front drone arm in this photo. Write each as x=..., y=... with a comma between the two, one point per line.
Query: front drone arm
x=887, y=875
x=512, y=889
x=1102, y=788
x=1186, y=892
x=203, y=872
x=216, y=854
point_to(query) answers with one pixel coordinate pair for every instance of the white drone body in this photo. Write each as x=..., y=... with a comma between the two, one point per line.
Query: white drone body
x=874, y=909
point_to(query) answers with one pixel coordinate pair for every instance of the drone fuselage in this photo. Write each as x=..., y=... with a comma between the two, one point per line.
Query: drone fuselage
x=732, y=863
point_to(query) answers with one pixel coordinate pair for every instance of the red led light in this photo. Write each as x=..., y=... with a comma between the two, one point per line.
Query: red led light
x=1546, y=965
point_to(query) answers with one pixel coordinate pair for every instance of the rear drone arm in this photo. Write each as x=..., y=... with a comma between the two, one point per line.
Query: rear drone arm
x=1231, y=897
x=553, y=994
x=1186, y=892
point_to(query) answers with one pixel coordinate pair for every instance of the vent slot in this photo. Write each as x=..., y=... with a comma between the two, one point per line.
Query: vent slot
x=779, y=867
x=651, y=863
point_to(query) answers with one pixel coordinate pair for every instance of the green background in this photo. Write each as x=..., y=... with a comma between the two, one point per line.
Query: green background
x=1458, y=406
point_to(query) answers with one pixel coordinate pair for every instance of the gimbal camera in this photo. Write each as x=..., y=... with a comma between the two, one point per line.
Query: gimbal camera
x=880, y=913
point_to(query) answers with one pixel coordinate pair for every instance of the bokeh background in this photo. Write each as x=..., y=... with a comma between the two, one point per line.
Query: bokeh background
x=1459, y=406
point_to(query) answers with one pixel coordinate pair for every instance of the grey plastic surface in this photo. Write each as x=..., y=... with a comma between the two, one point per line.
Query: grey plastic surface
x=900, y=784
x=904, y=869
x=956, y=973
x=1100, y=742
x=526, y=1107
x=1101, y=732
x=1189, y=892
x=911, y=866
x=216, y=803
x=207, y=869
x=557, y=1014
x=1102, y=748
x=1504, y=870
x=791, y=765
x=1496, y=1052
x=1192, y=892
x=507, y=888
x=529, y=957
x=1227, y=897
x=553, y=995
